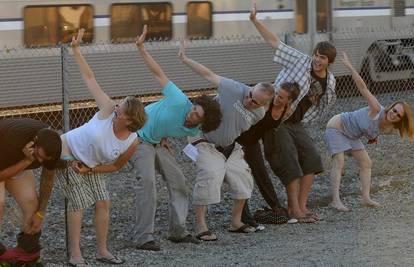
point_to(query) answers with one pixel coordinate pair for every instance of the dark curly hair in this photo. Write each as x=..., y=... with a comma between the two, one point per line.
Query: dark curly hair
x=212, y=113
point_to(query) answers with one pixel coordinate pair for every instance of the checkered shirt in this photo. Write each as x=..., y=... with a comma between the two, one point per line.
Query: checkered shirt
x=297, y=68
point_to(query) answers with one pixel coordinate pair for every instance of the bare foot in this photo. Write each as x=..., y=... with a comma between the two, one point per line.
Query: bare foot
x=370, y=203
x=339, y=206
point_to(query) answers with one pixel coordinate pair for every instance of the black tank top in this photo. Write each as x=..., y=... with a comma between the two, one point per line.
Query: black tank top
x=256, y=132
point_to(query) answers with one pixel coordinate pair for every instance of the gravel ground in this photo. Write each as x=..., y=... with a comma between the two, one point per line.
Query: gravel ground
x=362, y=237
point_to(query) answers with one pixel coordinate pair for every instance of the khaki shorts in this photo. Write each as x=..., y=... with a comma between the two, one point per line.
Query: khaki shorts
x=213, y=169
x=81, y=190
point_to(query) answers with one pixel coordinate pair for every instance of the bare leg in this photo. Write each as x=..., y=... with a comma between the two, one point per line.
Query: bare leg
x=365, y=165
x=23, y=190
x=236, y=213
x=201, y=227
x=292, y=190
x=101, y=221
x=336, y=174
x=306, y=183
x=74, y=231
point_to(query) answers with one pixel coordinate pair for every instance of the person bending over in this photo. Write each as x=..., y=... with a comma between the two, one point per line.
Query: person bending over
x=344, y=132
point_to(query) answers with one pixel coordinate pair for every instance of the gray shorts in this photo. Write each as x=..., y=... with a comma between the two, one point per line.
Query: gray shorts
x=291, y=153
x=81, y=190
x=337, y=142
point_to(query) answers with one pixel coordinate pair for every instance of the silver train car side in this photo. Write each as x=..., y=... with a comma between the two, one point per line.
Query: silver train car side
x=48, y=23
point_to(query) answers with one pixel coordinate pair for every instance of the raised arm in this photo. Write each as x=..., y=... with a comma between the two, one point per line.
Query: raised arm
x=373, y=103
x=203, y=71
x=104, y=103
x=267, y=35
x=149, y=61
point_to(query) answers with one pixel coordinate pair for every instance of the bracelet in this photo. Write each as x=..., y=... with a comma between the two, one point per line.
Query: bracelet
x=38, y=214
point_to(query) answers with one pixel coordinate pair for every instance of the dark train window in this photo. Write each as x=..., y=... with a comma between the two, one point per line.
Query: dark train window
x=301, y=16
x=199, y=19
x=323, y=15
x=127, y=21
x=398, y=7
x=51, y=25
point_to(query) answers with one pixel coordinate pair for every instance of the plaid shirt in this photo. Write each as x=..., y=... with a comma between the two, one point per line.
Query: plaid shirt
x=297, y=68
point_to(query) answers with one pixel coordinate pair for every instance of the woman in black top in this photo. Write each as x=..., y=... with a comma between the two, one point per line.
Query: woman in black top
x=277, y=110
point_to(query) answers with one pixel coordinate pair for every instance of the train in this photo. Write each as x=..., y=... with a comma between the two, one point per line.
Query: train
x=386, y=56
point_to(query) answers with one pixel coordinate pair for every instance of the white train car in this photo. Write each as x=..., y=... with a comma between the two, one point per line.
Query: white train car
x=48, y=23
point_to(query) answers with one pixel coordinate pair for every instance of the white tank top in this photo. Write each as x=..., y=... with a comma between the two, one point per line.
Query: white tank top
x=95, y=143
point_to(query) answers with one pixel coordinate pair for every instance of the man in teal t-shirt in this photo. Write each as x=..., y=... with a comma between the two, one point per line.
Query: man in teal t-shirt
x=172, y=116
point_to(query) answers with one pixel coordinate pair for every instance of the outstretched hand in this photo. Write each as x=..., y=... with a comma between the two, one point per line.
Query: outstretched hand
x=76, y=41
x=140, y=39
x=253, y=12
x=183, y=47
x=345, y=61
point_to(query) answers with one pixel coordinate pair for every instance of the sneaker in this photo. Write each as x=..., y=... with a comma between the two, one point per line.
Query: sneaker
x=150, y=245
x=269, y=217
x=18, y=254
x=186, y=239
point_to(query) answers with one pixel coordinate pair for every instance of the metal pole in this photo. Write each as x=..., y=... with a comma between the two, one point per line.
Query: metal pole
x=66, y=126
x=311, y=24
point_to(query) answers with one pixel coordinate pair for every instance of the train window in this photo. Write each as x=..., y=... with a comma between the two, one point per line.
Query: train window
x=323, y=11
x=398, y=7
x=301, y=16
x=199, y=19
x=127, y=21
x=51, y=25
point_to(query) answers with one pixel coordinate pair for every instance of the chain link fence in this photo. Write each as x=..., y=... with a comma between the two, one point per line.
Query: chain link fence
x=45, y=83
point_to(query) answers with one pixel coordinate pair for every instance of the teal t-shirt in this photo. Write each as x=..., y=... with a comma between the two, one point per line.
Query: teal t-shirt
x=166, y=117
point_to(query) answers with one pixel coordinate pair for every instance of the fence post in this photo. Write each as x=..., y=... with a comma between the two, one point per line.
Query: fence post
x=66, y=124
x=65, y=87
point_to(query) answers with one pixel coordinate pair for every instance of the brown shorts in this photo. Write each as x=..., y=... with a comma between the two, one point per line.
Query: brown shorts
x=291, y=153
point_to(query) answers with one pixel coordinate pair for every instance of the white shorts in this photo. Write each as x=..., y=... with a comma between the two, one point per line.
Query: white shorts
x=213, y=169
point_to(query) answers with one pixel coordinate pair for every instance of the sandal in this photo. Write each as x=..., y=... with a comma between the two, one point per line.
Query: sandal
x=113, y=260
x=79, y=263
x=244, y=229
x=314, y=216
x=201, y=236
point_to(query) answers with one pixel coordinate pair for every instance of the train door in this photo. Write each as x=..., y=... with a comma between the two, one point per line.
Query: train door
x=313, y=23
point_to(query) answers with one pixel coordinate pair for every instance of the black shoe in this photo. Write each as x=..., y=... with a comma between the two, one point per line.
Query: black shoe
x=150, y=245
x=186, y=239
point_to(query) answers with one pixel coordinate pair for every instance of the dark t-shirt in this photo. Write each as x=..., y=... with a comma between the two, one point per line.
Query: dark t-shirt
x=257, y=131
x=15, y=133
x=317, y=89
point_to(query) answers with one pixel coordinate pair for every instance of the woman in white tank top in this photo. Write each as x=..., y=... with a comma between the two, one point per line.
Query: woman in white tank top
x=104, y=144
x=344, y=130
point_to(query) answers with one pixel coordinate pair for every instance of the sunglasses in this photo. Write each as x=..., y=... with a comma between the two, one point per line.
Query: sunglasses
x=252, y=99
x=396, y=112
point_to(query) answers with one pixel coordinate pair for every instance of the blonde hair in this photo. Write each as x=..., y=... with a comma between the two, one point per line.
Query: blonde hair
x=135, y=111
x=406, y=125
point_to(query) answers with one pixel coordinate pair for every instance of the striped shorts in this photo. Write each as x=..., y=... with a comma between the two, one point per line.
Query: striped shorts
x=81, y=190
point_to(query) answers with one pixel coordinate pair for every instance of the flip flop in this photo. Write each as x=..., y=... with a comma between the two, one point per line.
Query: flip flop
x=244, y=229
x=79, y=263
x=205, y=233
x=114, y=260
x=314, y=216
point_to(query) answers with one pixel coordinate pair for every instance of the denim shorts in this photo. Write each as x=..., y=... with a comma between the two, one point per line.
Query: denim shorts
x=337, y=142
